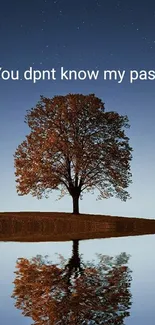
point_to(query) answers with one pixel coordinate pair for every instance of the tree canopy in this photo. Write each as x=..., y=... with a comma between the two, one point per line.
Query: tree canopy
x=74, y=146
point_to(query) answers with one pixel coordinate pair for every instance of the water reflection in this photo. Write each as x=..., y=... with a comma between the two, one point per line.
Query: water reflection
x=74, y=291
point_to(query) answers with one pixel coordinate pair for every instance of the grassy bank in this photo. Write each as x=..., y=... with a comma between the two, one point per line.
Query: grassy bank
x=45, y=215
x=57, y=226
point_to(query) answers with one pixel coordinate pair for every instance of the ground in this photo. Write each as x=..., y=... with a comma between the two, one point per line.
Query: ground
x=59, y=226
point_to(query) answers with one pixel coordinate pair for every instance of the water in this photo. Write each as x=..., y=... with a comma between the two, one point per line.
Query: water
x=141, y=263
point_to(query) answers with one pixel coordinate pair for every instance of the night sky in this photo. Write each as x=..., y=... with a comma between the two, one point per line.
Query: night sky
x=81, y=35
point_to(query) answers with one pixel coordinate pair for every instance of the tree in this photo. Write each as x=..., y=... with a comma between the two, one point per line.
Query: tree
x=75, y=293
x=74, y=146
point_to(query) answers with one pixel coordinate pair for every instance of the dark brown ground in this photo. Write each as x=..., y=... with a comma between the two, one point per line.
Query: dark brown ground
x=58, y=226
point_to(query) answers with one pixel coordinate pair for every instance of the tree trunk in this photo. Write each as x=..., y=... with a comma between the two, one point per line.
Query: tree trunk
x=75, y=249
x=75, y=204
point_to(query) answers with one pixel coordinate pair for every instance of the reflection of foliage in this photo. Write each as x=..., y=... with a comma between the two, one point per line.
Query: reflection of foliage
x=97, y=295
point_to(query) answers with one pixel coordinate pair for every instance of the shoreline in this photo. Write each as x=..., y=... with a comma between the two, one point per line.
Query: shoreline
x=59, y=226
x=82, y=216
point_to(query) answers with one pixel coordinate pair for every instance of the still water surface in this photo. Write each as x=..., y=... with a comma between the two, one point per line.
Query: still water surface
x=141, y=263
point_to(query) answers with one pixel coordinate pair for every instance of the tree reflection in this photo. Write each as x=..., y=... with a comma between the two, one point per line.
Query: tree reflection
x=96, y=292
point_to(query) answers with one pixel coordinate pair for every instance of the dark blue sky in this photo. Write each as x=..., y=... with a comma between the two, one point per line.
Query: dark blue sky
x=84, y=34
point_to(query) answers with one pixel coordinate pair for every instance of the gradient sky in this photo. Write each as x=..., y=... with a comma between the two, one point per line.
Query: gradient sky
x=83, y=34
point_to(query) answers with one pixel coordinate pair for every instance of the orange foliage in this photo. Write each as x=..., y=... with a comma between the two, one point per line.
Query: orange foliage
x=74, y=146
x=101, y=293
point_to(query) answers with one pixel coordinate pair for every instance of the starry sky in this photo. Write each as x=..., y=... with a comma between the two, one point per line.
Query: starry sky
x=81, y=35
